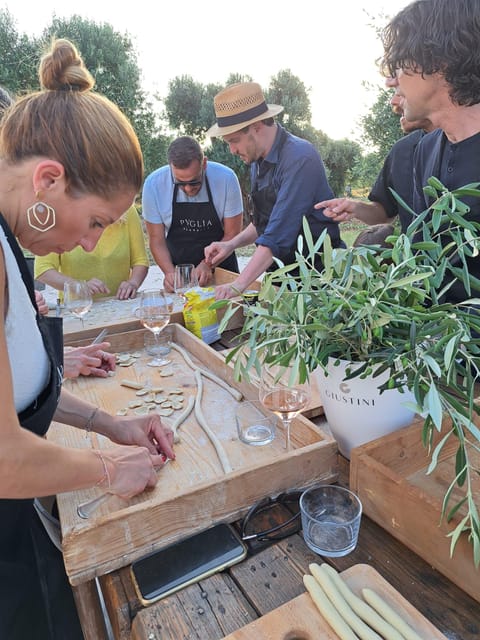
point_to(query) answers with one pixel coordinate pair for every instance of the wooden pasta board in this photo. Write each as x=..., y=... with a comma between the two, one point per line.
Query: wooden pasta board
x=119, y=315
x=300, y=618
x=193, y=491
x=389, y=475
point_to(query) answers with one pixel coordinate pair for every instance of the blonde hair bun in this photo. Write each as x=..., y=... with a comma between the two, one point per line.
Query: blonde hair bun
x=62, y=69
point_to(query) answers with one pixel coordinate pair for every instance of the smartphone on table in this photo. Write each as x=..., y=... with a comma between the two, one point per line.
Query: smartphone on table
x=187, y=561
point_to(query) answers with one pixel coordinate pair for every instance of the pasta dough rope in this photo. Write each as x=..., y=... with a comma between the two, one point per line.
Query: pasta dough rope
x=227, y=467
x=208, y=374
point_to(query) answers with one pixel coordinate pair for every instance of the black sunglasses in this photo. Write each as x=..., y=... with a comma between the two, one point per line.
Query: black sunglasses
x=187, y=183
x=290, y=526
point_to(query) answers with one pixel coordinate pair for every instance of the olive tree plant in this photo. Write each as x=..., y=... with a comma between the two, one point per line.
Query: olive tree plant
x=389, y=309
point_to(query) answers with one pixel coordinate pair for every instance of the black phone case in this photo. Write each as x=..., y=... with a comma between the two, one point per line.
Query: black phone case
x=182, y=563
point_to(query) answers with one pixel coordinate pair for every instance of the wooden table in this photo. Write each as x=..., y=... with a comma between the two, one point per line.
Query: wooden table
x=222, y=603
x=272, y=576
x=192, y=494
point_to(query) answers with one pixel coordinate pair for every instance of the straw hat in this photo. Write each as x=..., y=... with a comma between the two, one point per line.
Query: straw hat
x=239, y=105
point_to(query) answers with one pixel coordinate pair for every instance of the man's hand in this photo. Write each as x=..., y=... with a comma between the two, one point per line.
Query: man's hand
x=339, y=209
x=169, y=281
x=204, y=274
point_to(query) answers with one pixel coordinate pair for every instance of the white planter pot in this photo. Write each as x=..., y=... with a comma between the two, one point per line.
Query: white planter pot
x=356, y=411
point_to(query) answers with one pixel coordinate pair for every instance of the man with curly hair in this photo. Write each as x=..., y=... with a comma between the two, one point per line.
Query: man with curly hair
x=396, y=174
x=431, y=50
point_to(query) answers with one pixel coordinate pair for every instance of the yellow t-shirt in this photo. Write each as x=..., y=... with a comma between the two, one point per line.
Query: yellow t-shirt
x=121, y=247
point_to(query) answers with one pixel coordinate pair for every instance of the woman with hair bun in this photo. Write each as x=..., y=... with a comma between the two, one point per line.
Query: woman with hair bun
x=70, y=165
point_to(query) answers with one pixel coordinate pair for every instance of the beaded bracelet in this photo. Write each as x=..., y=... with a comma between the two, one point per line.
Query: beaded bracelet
x=89, y=423
x=106, y=475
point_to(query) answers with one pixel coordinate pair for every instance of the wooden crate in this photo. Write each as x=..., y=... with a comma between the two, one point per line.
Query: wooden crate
x=119, y=315
x=389, y=476
x=193, y=491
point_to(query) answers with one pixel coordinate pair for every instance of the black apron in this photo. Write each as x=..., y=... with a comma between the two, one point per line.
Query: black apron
x=194, y=226
x=36, y=600
x=263, y=201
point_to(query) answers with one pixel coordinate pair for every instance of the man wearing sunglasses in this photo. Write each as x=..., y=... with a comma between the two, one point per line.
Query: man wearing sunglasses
x=188, y=204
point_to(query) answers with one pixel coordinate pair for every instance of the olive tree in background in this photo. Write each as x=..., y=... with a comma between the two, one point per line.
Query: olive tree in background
x=108, y=55
x=381, y=127
x=188, y=106
x=19, y=57
x=112, y=59
x=189, y=110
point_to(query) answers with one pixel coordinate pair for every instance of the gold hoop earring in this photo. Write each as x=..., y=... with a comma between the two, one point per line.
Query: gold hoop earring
x=41, y=217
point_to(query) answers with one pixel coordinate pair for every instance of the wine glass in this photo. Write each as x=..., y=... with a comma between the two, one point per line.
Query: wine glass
x=281, y=392
x=184, y=279
x=77, y=298
x=154, y=313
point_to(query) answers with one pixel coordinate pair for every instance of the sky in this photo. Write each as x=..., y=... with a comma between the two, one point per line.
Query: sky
x=330, y=45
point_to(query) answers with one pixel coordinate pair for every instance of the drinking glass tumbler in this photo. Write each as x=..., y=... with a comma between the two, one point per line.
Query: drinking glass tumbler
x=330, y=519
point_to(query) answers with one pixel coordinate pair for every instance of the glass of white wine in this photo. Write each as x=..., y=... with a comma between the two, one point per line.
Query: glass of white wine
x=154, y=313
x=281, y=392
x=77, y=298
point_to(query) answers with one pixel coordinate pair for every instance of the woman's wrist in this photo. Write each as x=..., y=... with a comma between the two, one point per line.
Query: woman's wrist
x=89, y=424
x=106, y=479
x=101, y=422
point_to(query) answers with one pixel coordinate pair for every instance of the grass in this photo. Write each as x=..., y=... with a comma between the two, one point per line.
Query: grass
x=348, y=230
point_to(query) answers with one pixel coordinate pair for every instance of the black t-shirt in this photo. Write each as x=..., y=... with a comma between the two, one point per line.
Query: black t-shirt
x=455, y=165
x=397, y=174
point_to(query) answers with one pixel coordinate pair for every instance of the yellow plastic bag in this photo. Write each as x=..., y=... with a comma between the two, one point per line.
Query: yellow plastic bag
x=197, y=315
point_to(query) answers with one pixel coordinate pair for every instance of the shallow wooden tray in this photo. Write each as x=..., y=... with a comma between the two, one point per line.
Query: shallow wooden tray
x=389, y=476
x=300, y=618
x=193, y=491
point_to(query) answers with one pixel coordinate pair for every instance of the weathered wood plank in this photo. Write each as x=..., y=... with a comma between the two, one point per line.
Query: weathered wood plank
x=210, y=609
x=89, y=611
x=117, y=604
x=268, y=578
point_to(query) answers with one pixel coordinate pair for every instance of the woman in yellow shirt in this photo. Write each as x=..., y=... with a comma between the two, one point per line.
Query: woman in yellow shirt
x=117, y=266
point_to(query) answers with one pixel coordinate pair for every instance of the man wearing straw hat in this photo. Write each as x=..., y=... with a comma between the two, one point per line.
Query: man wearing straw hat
x=287, y=178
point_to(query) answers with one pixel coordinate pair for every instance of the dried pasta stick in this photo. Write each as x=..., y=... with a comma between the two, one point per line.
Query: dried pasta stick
x=227, y=467
x=132, y=384
x=327, y=610
x=390, y=615
x=181, y=418
x=361, y=608
x=358, y=626
x=208, y=374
